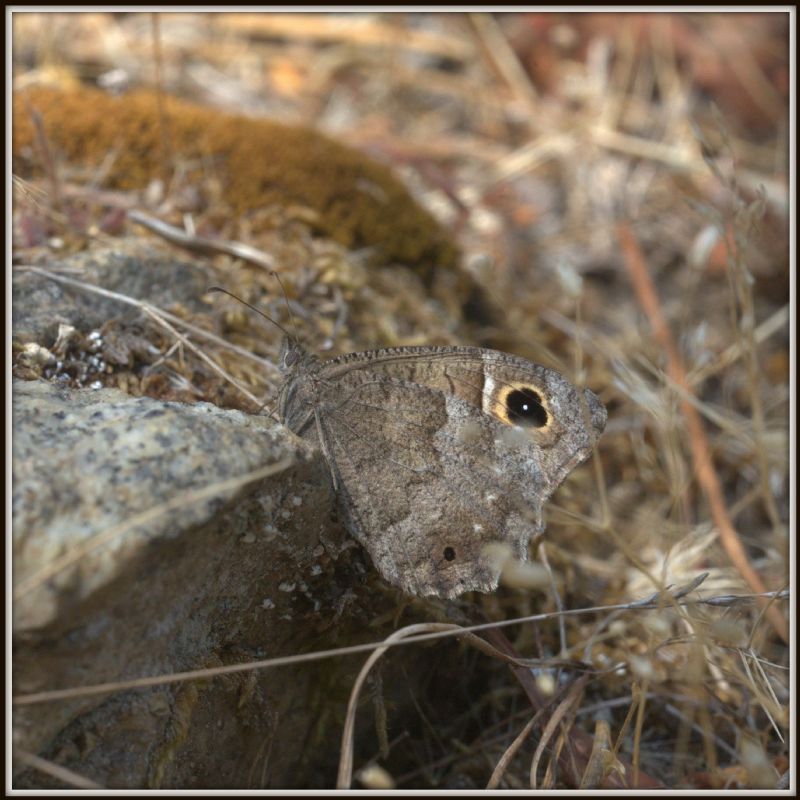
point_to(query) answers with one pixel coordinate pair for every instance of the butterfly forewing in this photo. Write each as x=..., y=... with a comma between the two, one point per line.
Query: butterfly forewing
x=436, y=452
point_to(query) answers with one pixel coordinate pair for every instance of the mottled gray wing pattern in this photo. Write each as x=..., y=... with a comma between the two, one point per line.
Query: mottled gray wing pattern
x=426, y=480
x=437, y=451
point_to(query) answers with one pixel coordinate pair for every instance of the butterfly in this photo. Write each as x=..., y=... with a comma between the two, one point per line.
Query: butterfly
x=435, y=452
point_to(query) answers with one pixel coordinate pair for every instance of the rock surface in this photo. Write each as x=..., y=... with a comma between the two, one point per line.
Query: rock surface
x=89, y=462
x=132, y=267
x=181, y=590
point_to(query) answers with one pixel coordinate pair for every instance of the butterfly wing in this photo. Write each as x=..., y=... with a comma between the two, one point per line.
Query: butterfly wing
x=432, y=460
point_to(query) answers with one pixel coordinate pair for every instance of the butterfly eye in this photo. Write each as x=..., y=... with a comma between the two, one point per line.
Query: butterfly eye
x=291, y=358
x=525, y=408
x=449, y=554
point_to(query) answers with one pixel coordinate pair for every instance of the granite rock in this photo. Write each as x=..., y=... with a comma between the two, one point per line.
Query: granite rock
x=239, y=574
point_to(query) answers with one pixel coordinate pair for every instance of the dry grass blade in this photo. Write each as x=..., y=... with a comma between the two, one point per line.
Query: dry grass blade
x=600, y=345
x=742, y=280
x=678, y=714
x=574, y=694
x=562, y=630
x=46, y=155
x=682, y=158
x=768, y=328
x=581, y=742
x=548, y=147
x=132, y=301
x=525, y=664
x=202, y=245
x=602, y=759
x=345, y=775
x=163, y=115
x=498, y=51
x=750, y=73
x=55, y=770
x=511, y=751
x=350, y=31
x=701, y=456
x=162, y=318
x=156, y=317
x=734, y=425
x=185, y=499
x=754, y=685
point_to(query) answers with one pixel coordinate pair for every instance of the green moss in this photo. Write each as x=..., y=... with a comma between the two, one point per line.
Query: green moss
x=258, y=162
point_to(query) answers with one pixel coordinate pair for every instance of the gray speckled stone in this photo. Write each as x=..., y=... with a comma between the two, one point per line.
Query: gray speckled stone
x=132, y=267
x=85, y=461
x=233, y=574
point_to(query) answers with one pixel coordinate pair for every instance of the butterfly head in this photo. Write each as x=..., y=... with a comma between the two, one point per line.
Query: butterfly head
x=293, y=355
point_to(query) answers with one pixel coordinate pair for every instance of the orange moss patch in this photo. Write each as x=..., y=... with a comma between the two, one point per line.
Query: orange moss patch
x=257, y=162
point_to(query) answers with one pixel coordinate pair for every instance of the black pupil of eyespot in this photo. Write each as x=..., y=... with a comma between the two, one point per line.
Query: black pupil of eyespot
x=525, y=408
x=449, y=553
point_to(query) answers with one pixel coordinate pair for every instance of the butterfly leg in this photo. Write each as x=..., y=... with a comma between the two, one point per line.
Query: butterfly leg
x=325, y=448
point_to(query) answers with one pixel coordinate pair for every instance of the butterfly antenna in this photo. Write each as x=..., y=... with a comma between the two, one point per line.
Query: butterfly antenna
x=286, y=300
x=245, y=303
